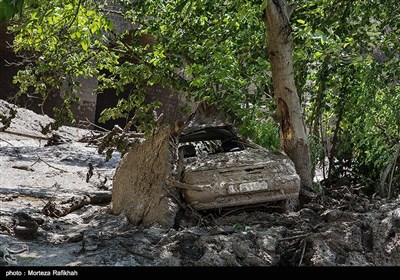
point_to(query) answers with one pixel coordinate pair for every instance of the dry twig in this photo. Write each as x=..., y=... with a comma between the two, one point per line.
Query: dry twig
x=27, y=135
x=1, y=139
x=294, y=237
x=49, y=165
x=303, y=251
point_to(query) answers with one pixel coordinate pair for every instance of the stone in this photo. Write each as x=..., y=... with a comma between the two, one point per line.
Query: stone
x=24, y=232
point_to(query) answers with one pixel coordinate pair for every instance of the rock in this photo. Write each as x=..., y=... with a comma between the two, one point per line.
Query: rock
x=396, y=217
x=155, y=234
x=90, y=242
x=25, y=232
x=253, y=260
x=211, y=259
x=229, y=258
x=74, y=237
x=332, y=215
x=6, y=198
x=91, y=247
x=56, y=238
x=267, y=243
x=240, y=250
x=26, y=226
x=314, y=206
x=324, y=255
x=357, y=259
x=306, y=212
x=222, y=230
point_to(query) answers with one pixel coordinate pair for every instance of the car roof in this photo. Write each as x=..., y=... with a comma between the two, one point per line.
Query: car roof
x=204, y=133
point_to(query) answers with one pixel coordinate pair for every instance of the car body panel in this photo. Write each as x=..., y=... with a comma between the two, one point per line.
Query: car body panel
x=247, y=176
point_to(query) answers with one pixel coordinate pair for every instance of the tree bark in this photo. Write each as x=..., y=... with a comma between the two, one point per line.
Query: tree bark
x=293, y=134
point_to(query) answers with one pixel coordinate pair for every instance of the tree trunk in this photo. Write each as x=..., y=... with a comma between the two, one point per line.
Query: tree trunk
x=294, y=139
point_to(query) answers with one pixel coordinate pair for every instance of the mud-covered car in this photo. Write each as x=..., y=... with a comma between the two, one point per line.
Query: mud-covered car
x=203, y=161
x=222, y=169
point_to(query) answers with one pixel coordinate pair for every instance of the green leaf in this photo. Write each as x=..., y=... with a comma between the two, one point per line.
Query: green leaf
x=197, y=82
x=264, y=5
x=8, y=11
x=317, y=55
x=181, y=5
x=85, y=45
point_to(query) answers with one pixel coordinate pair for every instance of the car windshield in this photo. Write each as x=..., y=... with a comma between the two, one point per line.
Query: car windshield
x=198, y=142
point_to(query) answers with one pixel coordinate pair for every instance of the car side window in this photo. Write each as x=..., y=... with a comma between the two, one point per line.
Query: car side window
x=187, y=150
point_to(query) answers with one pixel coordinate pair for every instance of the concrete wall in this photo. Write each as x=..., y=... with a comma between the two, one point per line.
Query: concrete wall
x=86, y=107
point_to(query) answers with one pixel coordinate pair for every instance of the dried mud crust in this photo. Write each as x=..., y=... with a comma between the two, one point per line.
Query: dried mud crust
x=339, y=228
x=140, y=186
x=92, y=235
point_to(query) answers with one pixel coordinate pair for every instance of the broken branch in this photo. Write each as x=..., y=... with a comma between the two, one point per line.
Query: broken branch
x=49, y=165
x=294, y=237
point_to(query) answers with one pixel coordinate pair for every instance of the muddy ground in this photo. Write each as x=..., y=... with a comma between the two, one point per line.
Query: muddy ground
x=50, y=185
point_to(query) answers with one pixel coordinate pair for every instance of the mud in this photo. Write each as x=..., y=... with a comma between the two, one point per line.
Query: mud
x=339, y=227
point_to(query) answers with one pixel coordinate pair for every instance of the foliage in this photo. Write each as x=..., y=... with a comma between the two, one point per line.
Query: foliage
x=317, y=153
x=116, y=140
x=261, y=130
x=9, y=8
x=209, y=51
x=54, y=38
x=350, y=54
x=212, y=51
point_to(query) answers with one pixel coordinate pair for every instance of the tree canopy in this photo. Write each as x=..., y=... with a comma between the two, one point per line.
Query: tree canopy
x=346, y=57
x=350, y=51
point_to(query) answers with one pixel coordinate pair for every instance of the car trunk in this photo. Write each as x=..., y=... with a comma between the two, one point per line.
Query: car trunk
x=249, y=176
